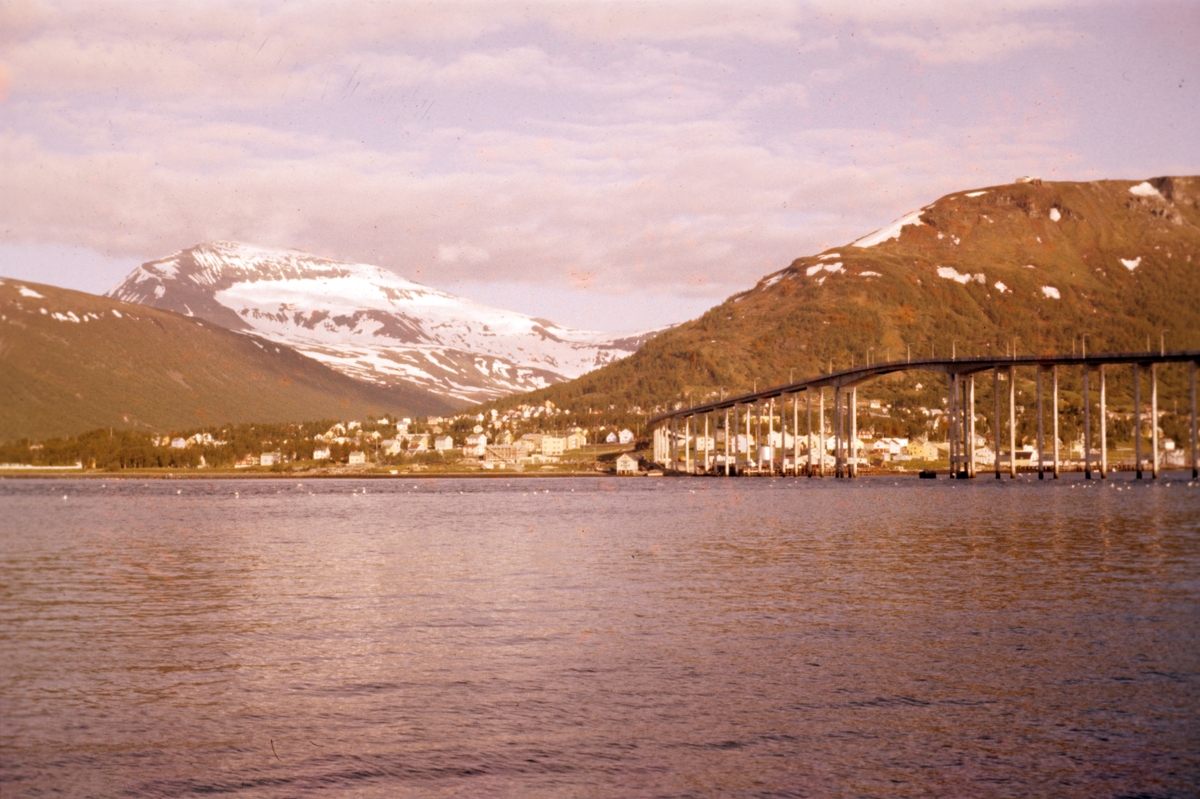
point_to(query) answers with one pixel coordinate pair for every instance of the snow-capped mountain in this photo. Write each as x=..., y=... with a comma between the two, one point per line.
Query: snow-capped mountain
x=370, y=323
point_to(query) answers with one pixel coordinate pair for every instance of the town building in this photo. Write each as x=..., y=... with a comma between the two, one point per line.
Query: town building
x=475, y=445
x=627, y=464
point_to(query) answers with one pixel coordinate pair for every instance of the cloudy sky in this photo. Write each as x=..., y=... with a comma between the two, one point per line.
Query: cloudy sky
x=610, y=165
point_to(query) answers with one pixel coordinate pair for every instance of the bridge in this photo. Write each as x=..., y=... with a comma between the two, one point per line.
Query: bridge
x=687, y=451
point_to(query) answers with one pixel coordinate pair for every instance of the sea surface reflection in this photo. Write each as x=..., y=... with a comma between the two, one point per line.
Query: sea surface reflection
x=600, y=637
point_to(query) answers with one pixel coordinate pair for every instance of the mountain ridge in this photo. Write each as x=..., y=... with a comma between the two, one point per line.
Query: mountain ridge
x=370, y=323
x=71, y=361
x=1033, y=264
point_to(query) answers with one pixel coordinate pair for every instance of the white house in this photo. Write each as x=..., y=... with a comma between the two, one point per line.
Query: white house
x=476, y=445
x=269, y=459
x=391, y=447
x=553, y=445
x=625, y=436
x=611, y=438
x=321, y=454
x=358, y=458
x=178, y=443
x=627, y=464
x=443, y=443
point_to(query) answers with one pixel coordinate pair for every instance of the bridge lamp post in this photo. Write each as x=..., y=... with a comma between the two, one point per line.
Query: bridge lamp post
x=954, y=349
x=1083, y=343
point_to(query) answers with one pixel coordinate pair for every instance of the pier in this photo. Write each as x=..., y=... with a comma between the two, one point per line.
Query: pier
x=685, y=440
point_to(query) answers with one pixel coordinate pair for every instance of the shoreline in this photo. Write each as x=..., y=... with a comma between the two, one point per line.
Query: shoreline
x=241, y=475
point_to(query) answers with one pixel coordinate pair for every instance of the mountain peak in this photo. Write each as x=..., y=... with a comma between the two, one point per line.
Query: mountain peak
x=369, y=322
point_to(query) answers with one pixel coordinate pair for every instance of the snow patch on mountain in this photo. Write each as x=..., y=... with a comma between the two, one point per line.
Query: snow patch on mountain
x=1144, y=189
x=892, y=231
x=370, y=323
x=950, y=273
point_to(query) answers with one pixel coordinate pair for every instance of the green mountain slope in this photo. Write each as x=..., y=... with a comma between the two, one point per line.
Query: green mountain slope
x=71, y=361
x=1038, y=265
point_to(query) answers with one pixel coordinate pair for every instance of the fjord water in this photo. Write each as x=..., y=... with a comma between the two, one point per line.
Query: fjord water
x=592, y=637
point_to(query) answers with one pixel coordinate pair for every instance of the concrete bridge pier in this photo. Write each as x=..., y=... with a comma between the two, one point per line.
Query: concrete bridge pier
x=996, y=427
x=952, y=425
x=837, y=432
x=809, y=440
x=1153, y=421
x=706, y=445
x=771, y=436
x=971, y=428
x=737, y=426
x=821, y=427
x=1195, y=463
x=795, y=435
x=1103, y=428
x=1054, y=391
x=854, y=431
x=1087, y=428
x=1012, y=422
x=1041, y=444
x=1137, y=420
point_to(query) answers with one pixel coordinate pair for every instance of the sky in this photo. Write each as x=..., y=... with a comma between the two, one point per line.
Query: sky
x=607, y=165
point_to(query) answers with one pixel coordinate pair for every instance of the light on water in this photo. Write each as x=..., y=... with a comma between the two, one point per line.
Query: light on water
x=726, y=637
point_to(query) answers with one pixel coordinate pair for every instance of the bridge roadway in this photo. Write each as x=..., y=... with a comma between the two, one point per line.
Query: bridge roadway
x=961, y=416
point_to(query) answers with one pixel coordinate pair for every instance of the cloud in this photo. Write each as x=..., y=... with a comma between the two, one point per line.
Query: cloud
x=612, y=146
x=974, y=44
x=466, y=253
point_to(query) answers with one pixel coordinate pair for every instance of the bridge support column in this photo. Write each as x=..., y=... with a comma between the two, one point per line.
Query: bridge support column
x=796, y=434
x=1137, y=420
x=971, y=426
x=727, y=442
x=1103, y=428
x=750, y=451
x=821, y=436
x=952, y=425
x=996, y=428
x=1012, y=422
x=1195, y=463
x=1154, y=420
x=771, y=436
x=809, y=441
x=736, y=427
x=758, y=435
x=1087, y=427
x=837, y=431
x=687, y=445
x=854, y=431
x=1041, y=444
x=706, y=441
x=1054, y=398
x=673, y=445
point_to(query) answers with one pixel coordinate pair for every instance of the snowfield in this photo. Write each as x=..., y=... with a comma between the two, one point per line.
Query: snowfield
x=892, y=231
x=370, y=323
